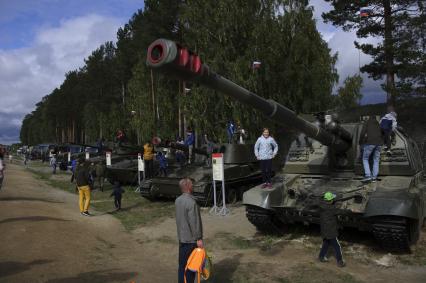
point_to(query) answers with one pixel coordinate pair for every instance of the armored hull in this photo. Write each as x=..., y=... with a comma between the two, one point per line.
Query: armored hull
x=392, y=208
x=124, y=171
x=241, y=171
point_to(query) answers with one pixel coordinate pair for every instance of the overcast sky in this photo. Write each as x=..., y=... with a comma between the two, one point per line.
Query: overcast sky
x=42, y=40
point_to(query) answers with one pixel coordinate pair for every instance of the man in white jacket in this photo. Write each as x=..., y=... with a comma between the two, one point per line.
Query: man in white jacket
x=388, y=125
x=265, y=150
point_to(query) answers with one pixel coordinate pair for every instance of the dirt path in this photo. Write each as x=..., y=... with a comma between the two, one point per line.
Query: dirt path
x=45, y=239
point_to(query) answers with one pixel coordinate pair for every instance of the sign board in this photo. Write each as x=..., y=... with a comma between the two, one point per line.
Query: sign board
x=217, y=162
x=87, y=155
x=141, y=165
x=69, y=156
x=108, y=158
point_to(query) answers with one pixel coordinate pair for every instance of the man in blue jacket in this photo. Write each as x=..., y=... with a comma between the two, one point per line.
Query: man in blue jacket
x=190, y=141
x=230, y=130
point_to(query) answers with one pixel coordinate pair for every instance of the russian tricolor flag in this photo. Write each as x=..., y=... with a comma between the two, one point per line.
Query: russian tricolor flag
x=365, y=12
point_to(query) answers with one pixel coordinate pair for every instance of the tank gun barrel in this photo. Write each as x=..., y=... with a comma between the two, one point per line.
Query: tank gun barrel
x=183, y=147
x=175, y=60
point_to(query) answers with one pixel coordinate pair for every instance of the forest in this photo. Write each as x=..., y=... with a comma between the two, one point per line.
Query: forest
x=115, y=89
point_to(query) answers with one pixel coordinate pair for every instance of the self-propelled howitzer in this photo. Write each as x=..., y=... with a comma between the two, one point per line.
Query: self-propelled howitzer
x=324, y=157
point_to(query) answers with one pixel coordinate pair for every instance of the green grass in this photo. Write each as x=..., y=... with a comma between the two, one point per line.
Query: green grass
x=309, y=273
x=136, y=210
x=225, y=241
x=417, y=257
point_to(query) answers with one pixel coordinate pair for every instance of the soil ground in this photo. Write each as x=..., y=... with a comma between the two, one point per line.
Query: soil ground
x=45, y=239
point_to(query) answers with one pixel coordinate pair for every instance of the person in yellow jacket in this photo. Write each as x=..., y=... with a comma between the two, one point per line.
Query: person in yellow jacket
x=83, y=185
x=148, y=157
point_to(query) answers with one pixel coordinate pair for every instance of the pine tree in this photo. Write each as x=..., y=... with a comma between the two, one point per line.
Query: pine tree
x=399, y=55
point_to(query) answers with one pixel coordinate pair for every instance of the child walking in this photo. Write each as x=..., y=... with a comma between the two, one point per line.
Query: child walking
x=117, y=192
x=329, y=233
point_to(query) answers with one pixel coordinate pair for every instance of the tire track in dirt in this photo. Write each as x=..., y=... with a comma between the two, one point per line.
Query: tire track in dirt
x=45, y=239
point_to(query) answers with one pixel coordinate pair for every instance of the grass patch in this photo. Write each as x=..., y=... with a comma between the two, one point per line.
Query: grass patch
x=417, y=257
x=47, y=177
x=309, y=273
x=224, y=241
x=136, y=211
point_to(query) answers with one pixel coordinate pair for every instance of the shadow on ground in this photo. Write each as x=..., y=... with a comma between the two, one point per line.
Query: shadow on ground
x=101, y=276
x=13, y=267
x=225, y=269
x=28, y=199
x=32, y=219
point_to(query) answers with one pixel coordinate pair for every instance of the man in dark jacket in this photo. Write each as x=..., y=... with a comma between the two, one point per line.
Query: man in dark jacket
x=189, y=228
x=371, y=140
x=83, y=185
x=329, y=229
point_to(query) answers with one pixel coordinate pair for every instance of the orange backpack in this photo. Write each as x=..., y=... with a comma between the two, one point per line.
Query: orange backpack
x=200, y=263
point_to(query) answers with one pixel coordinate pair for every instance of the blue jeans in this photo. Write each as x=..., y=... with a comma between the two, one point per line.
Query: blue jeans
x=368, y=150
x=185, y=250
x=336, y=246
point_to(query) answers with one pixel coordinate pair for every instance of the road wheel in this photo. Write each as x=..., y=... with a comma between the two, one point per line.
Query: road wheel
x=232, y=196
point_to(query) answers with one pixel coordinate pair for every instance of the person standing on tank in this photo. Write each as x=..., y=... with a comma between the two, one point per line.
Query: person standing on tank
x=230, y=131
x=388, y=126
x=265, y=149
x=189, y=142
x=189, y=228
x=371, y=140
x=148, y=157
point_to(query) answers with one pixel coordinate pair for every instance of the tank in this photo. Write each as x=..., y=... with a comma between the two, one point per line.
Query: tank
x=241, y=170
x=124, y=171
x=325, y=156
x=62, y=155
x=124, y=164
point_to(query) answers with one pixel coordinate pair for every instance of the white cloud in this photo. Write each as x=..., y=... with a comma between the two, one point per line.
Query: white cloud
x=349, y=57
x=28, y=74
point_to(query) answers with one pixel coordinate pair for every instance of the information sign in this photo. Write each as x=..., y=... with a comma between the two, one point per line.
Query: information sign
x=108, y=158
x=217, y=162
x=141, y=165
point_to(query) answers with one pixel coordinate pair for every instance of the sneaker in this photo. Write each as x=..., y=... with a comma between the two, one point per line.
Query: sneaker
x=373, y=180
x=341, y=263
x=86, y=213
x=323, y=259
x=366, y=180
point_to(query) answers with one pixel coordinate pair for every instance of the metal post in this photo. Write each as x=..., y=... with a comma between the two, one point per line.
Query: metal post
x=223, y=211
x=214, y=209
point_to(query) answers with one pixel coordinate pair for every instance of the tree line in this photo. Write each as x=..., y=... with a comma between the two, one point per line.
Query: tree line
x=115, y=90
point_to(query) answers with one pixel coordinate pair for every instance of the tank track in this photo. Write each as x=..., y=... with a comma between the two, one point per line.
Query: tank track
x=392, y=233
x=264, y=220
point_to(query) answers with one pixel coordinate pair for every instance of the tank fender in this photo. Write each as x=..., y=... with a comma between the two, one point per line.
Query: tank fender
x=394, y=203
x=264, y=198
